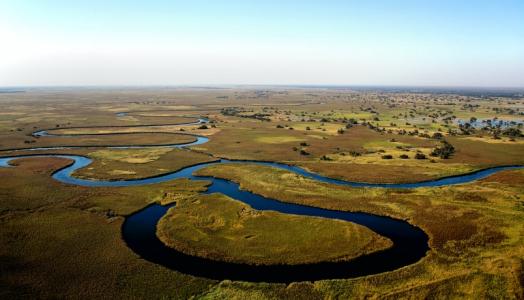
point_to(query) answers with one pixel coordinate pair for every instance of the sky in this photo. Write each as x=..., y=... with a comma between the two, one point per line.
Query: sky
x=394, y=43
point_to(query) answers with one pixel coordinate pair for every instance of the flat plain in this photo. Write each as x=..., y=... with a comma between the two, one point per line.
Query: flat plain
x=61, y=240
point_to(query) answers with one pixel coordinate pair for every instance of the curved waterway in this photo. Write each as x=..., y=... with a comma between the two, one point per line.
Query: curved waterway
x=410, y=243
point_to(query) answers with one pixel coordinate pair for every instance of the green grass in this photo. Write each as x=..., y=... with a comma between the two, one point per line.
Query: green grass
x=220, y=228
x=475, y=229
x=132, y=156
x=60, y=241
x=138, y=163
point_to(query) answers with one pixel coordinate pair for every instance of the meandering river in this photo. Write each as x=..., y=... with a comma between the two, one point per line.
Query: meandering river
x=410, y=243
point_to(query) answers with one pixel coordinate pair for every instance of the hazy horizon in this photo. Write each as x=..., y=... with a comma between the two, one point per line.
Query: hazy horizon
x=474, y=44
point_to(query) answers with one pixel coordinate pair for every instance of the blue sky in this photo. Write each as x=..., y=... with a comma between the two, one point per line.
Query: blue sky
x=426, y=43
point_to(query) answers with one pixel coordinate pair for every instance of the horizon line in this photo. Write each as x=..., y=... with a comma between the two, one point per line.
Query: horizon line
x=233, y=85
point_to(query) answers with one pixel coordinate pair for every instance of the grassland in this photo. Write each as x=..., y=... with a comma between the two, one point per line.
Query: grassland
x=102, y=140
x=62, y=241
x=114, y=164
x=357, y=153
x=193, y=129
x=472, y=227
x=54, y=233
x=220, y=228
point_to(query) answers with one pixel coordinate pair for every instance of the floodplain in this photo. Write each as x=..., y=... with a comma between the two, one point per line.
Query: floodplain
x=54, y=232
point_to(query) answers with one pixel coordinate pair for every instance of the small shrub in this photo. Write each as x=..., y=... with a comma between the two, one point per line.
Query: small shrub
x=437, y=135
x=354, y=153
x=420, y=156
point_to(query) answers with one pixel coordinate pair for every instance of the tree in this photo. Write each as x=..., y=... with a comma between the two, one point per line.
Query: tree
x=438, y=135
x=444, y=151
x=512, y=132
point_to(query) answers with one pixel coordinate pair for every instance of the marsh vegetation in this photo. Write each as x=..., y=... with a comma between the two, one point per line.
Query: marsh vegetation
x=475, y=229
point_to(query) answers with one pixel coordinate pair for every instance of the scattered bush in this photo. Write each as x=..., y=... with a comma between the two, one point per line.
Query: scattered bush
x=444, y=151
x=512, y=132
x=420, y=156
x=437, y=135
x=354, y=153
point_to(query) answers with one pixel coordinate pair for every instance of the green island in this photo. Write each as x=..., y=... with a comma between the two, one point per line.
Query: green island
x=221, y=228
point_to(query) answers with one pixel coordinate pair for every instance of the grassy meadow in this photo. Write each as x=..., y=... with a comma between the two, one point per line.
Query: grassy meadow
x=221, y=228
